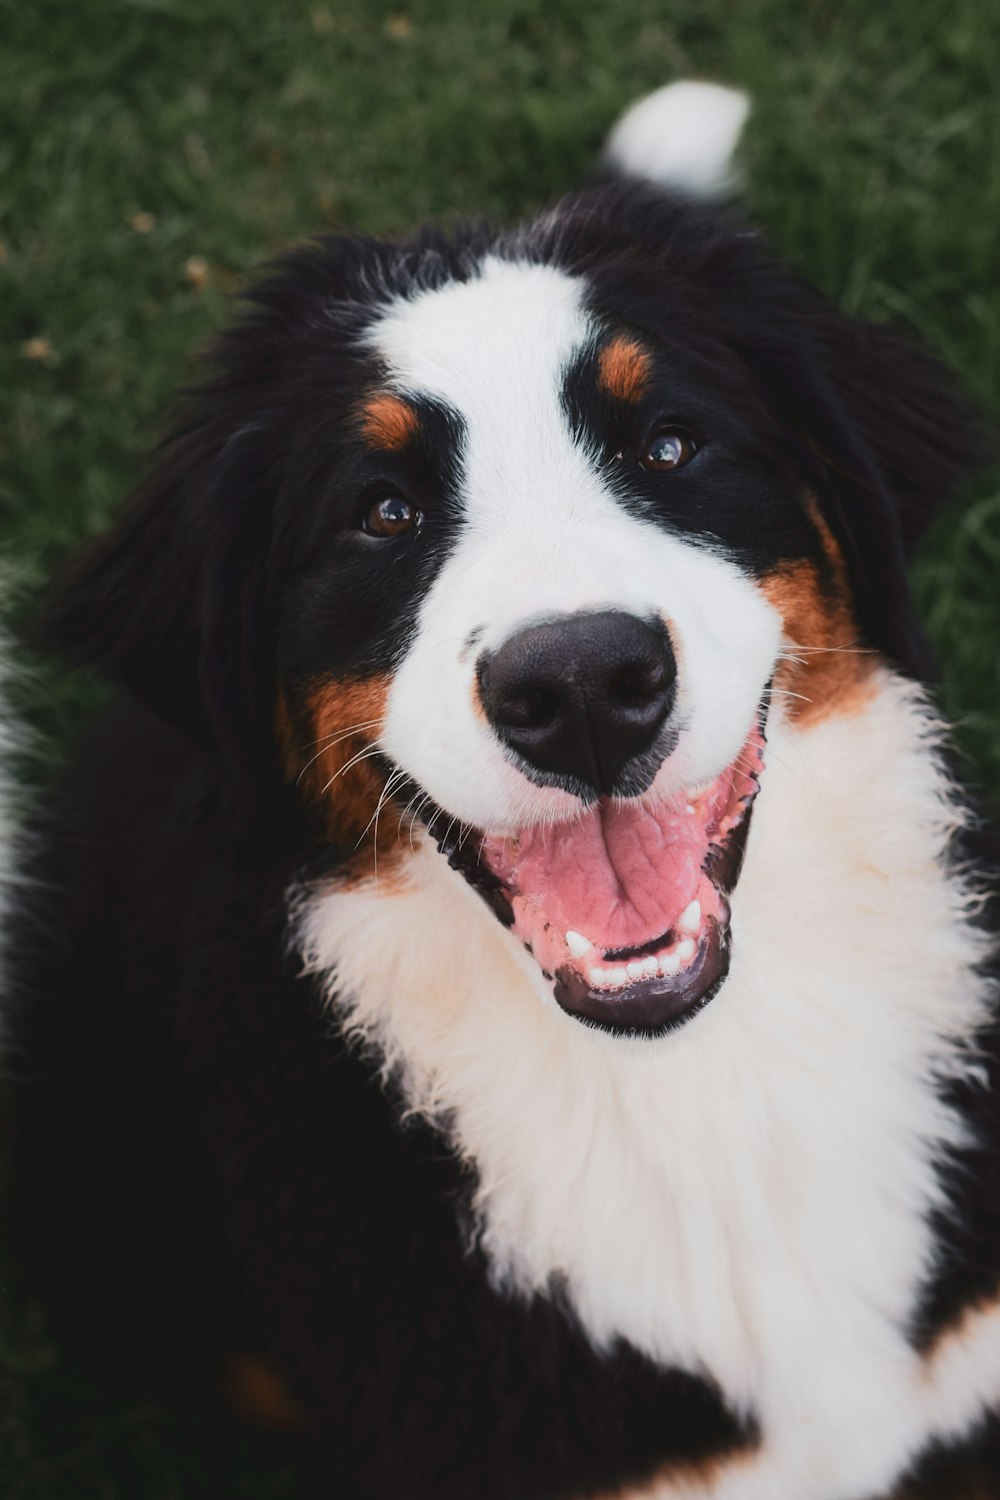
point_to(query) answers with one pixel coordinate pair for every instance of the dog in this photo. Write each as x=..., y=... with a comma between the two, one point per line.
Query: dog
x=508, y=988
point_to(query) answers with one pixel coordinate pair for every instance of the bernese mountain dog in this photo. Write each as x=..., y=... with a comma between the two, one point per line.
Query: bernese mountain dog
x=508, y=989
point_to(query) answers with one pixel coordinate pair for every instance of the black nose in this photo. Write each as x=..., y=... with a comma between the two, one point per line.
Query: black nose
x=580, y=697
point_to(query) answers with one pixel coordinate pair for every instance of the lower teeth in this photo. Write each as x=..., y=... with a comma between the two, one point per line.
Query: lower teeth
x=668, y=964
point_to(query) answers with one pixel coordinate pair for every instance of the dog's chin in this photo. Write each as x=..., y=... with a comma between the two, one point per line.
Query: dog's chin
x=625, y=909
x=650, y=1006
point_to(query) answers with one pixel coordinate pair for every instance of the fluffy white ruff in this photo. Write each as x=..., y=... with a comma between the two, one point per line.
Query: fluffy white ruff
x=747, y=1197
x=682, y=136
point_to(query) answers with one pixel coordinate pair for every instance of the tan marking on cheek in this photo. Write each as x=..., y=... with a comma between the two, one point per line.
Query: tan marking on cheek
x=623, y=368
x=255, y=1392
x=826, y=670
x=327, y=750
x=388, y=422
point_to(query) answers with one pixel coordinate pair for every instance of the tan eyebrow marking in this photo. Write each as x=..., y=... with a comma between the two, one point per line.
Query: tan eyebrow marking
x=388, y=422
x=623, y=368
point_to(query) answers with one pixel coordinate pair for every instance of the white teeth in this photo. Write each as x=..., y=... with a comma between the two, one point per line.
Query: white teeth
x=668, y=964
x=690, y=918
x=608, y=978
x=577, y=944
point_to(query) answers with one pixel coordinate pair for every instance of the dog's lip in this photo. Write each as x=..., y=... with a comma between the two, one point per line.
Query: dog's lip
x=654, y=1005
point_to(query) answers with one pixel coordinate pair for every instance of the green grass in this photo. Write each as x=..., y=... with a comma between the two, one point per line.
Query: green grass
x=237, y=125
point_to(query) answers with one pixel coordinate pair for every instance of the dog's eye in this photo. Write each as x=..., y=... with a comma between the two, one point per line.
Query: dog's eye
x=668, y=448
x=391, y=515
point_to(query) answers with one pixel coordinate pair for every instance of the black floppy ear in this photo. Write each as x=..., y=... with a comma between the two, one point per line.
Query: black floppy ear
x=169, y=603
x=891, y=440
x=172, y=603
x=923, y=435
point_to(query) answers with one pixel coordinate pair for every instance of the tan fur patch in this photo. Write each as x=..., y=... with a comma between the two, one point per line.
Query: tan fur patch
x=968, y=1479
x=388, y=421
x=826, y=669
x=257, y=1394
x=695, y=1477
x=623, y=368
x=961, y=1330
x=326, y=749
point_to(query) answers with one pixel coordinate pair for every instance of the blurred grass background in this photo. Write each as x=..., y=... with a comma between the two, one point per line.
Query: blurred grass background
x=152, y=151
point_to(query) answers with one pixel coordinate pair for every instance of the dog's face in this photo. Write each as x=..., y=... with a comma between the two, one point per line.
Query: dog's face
x=518, y=551
x=550, y=538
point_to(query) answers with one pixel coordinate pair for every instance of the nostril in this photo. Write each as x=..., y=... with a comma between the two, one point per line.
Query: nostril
x=532, y=707
x=639, y=684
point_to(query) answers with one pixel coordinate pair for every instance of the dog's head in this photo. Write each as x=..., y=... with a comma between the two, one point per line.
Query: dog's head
x=511, y=542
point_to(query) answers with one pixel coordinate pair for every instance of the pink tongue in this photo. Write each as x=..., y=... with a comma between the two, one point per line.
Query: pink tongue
x=619, y=876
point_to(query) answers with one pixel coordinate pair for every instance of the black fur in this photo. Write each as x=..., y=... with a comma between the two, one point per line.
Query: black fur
x=968, y=1230
x=202, y=1163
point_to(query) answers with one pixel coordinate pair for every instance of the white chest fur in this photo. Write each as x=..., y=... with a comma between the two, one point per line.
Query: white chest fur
x=748, y=1196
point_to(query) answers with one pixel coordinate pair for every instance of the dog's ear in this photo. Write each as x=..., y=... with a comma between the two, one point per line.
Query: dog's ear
x=170, y=602
x=906, y=411
x=888, y=439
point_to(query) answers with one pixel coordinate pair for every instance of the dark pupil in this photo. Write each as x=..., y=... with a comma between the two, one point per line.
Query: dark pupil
x=393, y=513
x=666, y=449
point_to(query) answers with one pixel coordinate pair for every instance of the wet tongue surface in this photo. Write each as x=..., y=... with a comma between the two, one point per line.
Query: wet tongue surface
x=619, y=876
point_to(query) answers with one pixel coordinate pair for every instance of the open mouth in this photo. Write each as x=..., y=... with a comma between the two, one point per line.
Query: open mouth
x=626, y=908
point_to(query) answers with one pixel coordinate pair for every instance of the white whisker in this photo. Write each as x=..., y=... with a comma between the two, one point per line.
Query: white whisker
x=366, y=754
x=329, y=742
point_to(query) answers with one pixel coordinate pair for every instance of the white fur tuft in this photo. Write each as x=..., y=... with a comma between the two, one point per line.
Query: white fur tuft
x=682, y=136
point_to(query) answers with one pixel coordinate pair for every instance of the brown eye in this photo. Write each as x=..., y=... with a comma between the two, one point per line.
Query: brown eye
x=670, y=448
x=391, y=516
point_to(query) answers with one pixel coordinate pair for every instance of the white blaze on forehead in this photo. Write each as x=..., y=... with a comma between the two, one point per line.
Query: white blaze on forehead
x=542, y=533
x=507, y=333
x=496, y=349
